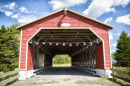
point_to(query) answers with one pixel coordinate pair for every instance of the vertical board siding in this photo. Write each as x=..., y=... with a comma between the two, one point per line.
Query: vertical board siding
x=99, y=57
x=30, y=58
x=55, y=21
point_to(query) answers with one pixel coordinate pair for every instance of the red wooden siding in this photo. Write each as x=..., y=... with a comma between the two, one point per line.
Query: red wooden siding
x=30, y=58
x=99, y=57
x=54, y=21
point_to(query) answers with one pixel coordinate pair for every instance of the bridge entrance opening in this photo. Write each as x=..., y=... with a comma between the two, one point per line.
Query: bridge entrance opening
x=78, y=44
x=61, y=61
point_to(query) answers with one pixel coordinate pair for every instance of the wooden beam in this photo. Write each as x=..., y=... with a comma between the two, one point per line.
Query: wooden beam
x=65, y=30
x=62, y=38
x=40, y=37
x=45, y=46
x=88, y=38
x=64, y=34
x=81, y=46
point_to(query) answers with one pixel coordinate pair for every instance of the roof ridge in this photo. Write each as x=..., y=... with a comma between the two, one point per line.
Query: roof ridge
x=64, y=10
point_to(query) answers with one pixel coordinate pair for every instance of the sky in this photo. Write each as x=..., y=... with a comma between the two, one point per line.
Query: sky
x=112, y=12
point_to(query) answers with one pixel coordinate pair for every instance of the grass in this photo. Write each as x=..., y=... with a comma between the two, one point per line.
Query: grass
x=118, y=80
x=123, y=68
x=62, y=65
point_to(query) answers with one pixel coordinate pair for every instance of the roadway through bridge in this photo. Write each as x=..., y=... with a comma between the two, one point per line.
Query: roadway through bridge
x=67, y=76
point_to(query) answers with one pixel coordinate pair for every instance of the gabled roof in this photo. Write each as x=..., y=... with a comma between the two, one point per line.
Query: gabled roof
x=69, y=11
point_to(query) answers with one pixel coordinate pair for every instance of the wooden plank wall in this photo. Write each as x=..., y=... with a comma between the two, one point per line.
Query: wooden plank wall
x=99, y=57
x=30, y=58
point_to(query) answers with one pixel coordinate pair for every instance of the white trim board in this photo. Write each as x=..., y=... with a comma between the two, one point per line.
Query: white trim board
x=20, y=49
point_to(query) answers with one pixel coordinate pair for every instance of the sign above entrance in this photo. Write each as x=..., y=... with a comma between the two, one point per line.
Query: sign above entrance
x=65, y=24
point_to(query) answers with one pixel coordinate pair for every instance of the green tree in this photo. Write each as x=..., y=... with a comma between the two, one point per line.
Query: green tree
x=61, y=59
x=122, y=54
x=9, y=47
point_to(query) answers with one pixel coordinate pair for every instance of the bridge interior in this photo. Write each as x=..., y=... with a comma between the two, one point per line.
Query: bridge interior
x=79, y=44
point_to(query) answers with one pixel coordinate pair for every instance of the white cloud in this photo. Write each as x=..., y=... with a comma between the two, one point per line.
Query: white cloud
x=123, y=3
x=15, y=16
x=22, y=14
x=110, y=35
x=108, y=19
x=59, y=4
x=124, y=19
x=114, y=44
x=26, y=19
x=23, y=9
x=119, y=34
x=113, y=51
x=8, y=13
x=11, y=5
x=99, y=7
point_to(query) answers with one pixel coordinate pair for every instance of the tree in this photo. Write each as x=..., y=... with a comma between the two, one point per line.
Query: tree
x=61, y=59
x=9, y=48
x=122, y=54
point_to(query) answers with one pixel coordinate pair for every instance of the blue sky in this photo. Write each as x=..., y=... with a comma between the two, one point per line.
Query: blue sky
x=112, y=12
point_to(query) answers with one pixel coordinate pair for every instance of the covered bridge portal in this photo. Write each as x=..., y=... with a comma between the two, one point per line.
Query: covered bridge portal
x=85, y=40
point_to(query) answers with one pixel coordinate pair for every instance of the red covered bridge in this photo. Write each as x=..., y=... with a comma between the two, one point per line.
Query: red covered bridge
x=86, y=41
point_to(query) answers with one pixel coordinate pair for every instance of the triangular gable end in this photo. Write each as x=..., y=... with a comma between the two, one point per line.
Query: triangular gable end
x=96, y=21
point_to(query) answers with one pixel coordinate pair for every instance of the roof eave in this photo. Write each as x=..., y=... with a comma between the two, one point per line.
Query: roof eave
x=67, y=10
x=39, y=19
x=91, y=18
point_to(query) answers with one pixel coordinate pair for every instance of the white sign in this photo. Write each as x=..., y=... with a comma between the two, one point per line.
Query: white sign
x=65, y=24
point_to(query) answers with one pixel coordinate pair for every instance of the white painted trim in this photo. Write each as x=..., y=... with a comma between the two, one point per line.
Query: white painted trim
x=30, y=73
x=27, y=48
x=22, y=74
x=103, y=47
x=104, y=55
x=100, y=72
x=110, y=48
x=27, y=52
x=20, y=49
x=108, y=73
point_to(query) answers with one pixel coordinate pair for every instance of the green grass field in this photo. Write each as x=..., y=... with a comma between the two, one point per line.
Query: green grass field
x=123, y=68
x=62, y=65
x=127, y=76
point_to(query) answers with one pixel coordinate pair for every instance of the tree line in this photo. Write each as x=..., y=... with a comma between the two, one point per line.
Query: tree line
x=122, y=54
x=62, y=59
x=9, y=48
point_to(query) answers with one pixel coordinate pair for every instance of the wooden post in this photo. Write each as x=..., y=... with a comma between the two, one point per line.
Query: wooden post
x=112, y=72
x=37, y=54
